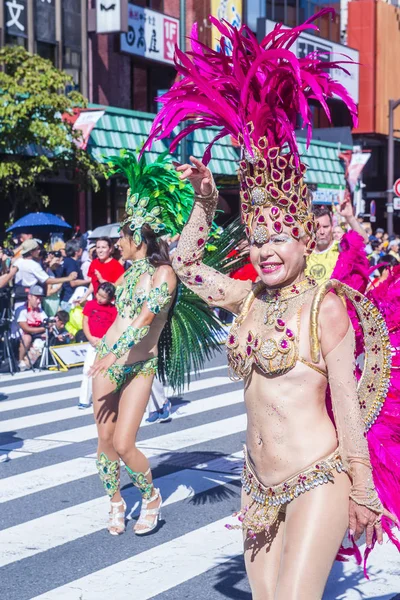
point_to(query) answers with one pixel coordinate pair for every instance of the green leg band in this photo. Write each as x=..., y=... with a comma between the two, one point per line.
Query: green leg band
x=139, y=480
x=109, y=474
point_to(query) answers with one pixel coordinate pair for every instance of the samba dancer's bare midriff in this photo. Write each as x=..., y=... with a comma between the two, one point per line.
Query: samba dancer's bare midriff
x=288, y=425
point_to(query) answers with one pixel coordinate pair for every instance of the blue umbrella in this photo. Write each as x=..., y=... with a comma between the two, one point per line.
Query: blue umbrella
x=39, y=223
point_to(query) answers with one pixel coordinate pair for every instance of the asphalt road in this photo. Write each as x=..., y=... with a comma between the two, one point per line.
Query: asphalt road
x=53, y=542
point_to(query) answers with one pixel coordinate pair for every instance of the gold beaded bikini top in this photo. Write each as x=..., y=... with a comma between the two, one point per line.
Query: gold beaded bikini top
x=273, y=355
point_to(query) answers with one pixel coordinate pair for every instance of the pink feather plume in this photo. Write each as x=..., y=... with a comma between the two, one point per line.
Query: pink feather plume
x=265, y=84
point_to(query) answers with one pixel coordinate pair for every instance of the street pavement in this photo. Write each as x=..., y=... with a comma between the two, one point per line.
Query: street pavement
x=53, y=542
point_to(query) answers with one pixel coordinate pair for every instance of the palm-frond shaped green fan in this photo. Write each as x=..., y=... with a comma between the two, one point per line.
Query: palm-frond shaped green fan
x=193, y=333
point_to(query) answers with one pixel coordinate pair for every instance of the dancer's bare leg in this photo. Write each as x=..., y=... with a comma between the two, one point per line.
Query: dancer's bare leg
x=133, y=401
x=262, y=557
x=315, y=525
x=105, y=406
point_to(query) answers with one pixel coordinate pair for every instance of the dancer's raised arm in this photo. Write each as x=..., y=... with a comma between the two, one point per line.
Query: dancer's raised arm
x=213, y=287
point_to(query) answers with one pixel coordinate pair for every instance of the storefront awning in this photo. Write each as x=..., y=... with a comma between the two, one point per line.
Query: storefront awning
x=126, y=129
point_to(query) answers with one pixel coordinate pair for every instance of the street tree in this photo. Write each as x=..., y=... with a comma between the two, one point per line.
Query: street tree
x=37, y=139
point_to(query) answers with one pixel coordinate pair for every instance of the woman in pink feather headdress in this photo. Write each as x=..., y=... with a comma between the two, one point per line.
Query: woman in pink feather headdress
x=307, y=477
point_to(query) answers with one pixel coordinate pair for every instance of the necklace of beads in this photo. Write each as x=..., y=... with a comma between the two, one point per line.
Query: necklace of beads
x=277, y=301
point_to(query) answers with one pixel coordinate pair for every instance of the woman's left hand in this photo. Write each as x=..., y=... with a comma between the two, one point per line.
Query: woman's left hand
x=101, y=366
x=362, y=518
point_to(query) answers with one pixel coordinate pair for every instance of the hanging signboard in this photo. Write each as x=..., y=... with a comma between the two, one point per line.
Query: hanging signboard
x=45, y=21
x=150, y=34
x=111, y=16
x=228, y=10
x=85, y=123
x=396, y=187
x=308, y=43
x=16, y=17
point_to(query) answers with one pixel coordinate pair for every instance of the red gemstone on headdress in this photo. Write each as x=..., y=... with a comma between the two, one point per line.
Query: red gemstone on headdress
x=309, y=226
x=257, y=211
x=297, y=179
x=296, y=232
x=274, y=193
x=286, y=186
x=288, y=220
x=249, y=337
x=274, y=212
x=248, y=350
x=304, y=191
x=294, y=198
x=280, y=323
x=261, y=219
x=283, y=201
x=312, y=245
x=231, y=339
x=289, y=333
x=259, y=180
x=245, y=195
x=276, y=175
x=303, y=168
x=284, y=344
x=249, y=181
x=243, y=164
x=273, y=153
x=293, y=209
x=262, y=163
x=281, y=162
x=277, y=226
x=245, y=207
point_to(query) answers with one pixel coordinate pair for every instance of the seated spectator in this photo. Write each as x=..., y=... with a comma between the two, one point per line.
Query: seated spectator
x=98, y=316
x=60, y=335
x=394, y=249
x=30, y=272
x=30, y=320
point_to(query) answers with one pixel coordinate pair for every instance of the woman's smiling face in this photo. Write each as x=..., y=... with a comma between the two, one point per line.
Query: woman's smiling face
x=281, y=260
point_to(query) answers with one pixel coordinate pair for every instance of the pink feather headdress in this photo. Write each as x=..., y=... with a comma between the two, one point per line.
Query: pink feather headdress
x=256, y=94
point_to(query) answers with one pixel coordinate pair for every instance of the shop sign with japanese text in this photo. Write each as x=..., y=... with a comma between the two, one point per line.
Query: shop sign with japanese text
x=151, y=34
x=331, y=51
x=16, y=18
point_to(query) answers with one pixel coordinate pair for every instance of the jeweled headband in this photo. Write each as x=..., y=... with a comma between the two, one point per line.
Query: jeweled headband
x=255, y=92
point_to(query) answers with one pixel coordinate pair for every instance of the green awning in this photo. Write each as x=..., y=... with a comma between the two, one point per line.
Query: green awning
x=120, y=128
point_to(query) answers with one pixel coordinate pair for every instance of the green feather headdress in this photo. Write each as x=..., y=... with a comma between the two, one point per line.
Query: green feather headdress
x=156, y=195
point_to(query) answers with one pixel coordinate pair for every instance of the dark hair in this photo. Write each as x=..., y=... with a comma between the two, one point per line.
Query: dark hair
x=386, y=262
x=106, y=239
x=322, y=211
x=72, y=247
x=375, y=244
x=63, y=316
x=108, y=288
x=157, y=249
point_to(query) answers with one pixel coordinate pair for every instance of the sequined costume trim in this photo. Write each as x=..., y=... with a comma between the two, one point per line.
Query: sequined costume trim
x=158, y=298
x=130, y=337
x=120, y=374
x=109, y=474
x=268, y=501
x=139, y=480
x=128, y=299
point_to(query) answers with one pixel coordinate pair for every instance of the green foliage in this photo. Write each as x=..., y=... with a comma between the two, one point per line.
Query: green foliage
x=35, y=141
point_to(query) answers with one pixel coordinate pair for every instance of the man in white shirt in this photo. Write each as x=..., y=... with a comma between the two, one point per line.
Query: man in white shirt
x=30, y=272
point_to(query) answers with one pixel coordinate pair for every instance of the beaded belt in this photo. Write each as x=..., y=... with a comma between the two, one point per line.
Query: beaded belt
x=268, y=501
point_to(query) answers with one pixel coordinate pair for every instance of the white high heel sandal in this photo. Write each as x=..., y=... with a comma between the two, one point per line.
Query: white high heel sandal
x=149, y=512
x=117, y=518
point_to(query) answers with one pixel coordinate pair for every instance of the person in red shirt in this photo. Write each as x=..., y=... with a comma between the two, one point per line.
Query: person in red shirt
x=246, y=271
x=104, y=267
x=98, y=316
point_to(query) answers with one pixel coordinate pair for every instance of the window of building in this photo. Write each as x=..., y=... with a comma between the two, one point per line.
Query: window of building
x=148, y=82
x=72, y=39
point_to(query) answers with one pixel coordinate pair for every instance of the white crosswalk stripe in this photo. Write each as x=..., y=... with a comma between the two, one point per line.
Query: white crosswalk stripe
x=196, y=462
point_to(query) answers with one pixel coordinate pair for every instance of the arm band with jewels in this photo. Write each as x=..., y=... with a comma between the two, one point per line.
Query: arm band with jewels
x=130, y=337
